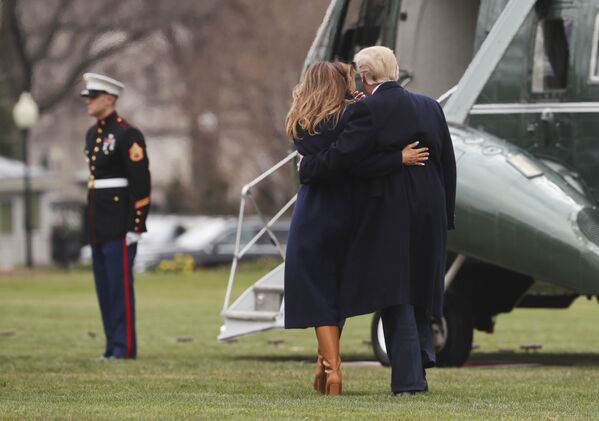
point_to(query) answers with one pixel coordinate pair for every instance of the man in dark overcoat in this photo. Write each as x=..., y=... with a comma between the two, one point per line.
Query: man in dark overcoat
x=118, y=202
x=396, y=258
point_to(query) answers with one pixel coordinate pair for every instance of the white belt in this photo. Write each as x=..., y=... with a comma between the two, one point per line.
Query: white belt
x=107, y=183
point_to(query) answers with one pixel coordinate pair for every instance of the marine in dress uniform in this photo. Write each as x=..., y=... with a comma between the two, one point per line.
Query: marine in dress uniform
x=118, y=204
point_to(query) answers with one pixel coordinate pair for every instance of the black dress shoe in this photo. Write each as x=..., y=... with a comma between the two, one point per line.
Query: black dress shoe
x=404, y=394
x=411, y=392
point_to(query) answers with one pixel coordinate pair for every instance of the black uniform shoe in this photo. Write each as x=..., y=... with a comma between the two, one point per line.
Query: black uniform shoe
x=404, y=394
x=413, y=392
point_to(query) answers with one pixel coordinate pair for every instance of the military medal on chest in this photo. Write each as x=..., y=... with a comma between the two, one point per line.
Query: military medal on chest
x=108, y=143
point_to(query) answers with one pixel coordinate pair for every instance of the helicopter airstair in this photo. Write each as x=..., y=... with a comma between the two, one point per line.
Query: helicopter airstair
x=260, y=307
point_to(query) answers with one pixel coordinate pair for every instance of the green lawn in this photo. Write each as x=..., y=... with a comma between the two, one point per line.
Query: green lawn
x=47, y=367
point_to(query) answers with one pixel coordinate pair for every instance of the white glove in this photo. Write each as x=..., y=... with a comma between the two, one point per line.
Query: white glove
x=299, y=161
x=132, y=237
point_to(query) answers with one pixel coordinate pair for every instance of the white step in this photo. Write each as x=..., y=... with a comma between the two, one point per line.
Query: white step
x=251, y=315
x=269, y=288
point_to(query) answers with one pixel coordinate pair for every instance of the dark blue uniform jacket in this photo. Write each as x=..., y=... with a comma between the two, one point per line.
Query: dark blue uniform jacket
x=115, y=149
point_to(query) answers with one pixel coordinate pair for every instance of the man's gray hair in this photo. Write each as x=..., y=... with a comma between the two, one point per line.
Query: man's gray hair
x=377, y=64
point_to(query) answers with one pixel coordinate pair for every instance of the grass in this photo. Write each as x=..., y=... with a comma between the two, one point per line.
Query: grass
x=47, y=367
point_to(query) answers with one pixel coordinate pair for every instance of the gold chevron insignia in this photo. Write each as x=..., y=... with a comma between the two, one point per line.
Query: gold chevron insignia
x=136, y=152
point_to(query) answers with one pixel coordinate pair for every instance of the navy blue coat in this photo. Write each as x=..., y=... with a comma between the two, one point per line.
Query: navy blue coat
x=320, y=231
x=399, y=223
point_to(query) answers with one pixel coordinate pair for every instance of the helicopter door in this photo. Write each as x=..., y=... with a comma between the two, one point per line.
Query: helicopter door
x=365, y=23
x=547, y=117
x=435, y=43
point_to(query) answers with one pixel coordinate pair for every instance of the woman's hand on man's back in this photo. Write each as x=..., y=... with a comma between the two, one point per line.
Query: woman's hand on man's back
x=411, y=155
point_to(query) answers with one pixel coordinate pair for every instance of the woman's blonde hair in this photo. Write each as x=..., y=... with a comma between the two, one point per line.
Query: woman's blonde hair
x=320, y=97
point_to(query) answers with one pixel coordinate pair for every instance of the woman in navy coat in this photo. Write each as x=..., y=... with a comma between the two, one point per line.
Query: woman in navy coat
x=321, y=222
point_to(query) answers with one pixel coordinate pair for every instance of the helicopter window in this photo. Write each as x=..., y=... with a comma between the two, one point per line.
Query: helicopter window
x=363, y=26
x=595, y=53
x=551, y=55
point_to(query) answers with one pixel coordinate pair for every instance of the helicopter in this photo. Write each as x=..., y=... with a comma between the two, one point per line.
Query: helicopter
x=519, y=84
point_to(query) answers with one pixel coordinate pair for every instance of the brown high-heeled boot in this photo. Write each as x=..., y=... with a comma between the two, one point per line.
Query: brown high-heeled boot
x=320, y=377
x=328, y=345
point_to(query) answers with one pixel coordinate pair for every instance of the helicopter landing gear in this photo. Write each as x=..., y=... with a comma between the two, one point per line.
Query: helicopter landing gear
x=452, y=335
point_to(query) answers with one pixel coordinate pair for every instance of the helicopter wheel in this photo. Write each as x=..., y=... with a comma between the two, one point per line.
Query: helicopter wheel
x=452, y=335
x=378, y=339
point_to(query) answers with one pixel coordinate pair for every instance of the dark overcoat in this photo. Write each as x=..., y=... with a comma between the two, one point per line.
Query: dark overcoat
x=320, y=230
x=397, y=248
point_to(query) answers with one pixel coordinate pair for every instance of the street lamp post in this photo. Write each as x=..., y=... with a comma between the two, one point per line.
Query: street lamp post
x=26, y=113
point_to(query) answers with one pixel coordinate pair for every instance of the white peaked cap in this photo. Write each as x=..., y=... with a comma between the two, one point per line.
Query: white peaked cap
x=97, y=82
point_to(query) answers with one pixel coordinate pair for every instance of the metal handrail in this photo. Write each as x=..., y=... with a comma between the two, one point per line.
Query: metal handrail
x=268, y=172
x=246, y=194
x=447, y=94
x=266, y=228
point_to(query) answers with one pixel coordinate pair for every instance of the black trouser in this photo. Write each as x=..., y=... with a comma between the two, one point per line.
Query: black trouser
x=409, y=341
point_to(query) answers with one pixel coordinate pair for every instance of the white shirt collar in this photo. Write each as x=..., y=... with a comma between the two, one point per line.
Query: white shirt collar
x=377, y=86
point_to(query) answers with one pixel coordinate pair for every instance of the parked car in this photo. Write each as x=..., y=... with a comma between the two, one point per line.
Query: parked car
x=162, y=235
x=163, y=230
x=213, y=242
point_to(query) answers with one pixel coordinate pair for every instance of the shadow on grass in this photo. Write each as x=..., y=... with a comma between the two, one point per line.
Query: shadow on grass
x=478, y=358
x=565, y=359
x=307, y=358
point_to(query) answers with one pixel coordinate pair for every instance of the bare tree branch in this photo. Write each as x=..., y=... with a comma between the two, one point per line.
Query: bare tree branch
x=64, y=43
x=70, y=42
x=75, y=73
x=20, y=43
x=50, y=34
